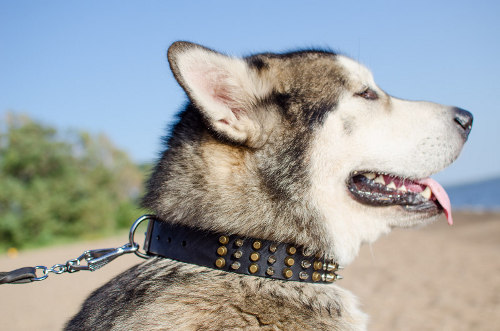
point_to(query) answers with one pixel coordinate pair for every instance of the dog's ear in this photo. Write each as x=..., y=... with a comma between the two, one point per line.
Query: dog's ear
x=224, y=88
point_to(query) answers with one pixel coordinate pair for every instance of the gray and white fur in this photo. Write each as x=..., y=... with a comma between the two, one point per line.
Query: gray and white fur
x=265, y=149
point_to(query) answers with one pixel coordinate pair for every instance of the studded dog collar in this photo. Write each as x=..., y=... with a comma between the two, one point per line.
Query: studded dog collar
x=243, y=255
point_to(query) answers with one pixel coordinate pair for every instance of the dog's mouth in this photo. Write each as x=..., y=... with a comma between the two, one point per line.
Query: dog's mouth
x=415, y=195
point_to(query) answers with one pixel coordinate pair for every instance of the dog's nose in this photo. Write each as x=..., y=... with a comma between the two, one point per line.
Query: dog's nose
x=464, y=119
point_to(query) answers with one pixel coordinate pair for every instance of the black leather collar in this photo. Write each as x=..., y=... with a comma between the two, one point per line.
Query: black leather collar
x=232, y=253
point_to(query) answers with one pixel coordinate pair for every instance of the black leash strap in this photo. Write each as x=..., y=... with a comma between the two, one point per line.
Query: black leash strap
x=18, y=276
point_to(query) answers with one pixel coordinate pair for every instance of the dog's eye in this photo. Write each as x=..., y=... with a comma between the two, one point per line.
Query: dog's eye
x=368, y=94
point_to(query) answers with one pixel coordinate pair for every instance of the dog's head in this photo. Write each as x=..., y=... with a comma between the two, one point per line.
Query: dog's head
x=304, y=146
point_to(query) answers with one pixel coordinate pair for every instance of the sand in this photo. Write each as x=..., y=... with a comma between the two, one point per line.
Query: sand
x=434, y=278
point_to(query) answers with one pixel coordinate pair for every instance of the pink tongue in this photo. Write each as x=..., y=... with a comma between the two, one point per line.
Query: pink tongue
x=440, y=195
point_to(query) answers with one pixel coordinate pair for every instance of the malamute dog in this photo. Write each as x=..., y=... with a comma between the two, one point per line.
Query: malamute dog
x=289, y=162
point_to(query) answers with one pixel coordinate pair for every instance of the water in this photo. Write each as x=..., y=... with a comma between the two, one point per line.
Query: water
x=481, y=195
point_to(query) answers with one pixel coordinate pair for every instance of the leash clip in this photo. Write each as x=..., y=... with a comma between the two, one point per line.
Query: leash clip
x=94, y=258
x=97, y=258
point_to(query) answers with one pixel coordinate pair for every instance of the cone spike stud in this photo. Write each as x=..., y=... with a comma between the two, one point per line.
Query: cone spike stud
x=328, y=278
x=329, y=266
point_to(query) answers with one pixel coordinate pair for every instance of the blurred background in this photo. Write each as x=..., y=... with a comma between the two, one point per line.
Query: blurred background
x=86, y=95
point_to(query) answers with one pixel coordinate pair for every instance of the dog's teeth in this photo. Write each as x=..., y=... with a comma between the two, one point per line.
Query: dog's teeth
x=403, y=188
x=391, y=186
x=426, y=193
x=369, y=175
x=380, y=180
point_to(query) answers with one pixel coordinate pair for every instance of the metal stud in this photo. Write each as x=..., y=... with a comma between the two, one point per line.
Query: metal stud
x=270, y=271
x=238, y=254
x=222, y=250
x=224, y=240
x=287, y=273
x=305, y=264
x=329, y=278
x=253, y=268
x=254, y=256
x=303, y=275
x=289, y=261
x=257, y=245
x=317, y=265
x=271, y=259
x=220, y=262
x=235, y=265
x=329, y=266
x=273, y=248
x=307, y=252
x=238, y=242
x=316, y=276
x=318, y=255
x=291, y=250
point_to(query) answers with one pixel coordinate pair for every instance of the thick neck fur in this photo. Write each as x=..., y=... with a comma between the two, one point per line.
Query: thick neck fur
x=206, y=183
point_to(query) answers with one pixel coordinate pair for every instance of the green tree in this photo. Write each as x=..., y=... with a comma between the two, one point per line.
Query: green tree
x=53, y=185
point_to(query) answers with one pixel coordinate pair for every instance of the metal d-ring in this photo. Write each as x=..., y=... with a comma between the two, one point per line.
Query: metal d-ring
x=132, y=233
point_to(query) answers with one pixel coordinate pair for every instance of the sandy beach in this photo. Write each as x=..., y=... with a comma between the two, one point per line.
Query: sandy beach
x=433, y=278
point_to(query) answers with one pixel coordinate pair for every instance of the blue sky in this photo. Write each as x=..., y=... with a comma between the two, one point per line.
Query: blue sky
x=100, y=65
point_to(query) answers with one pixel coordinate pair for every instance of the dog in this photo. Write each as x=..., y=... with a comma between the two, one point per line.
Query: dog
x=300, y=148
